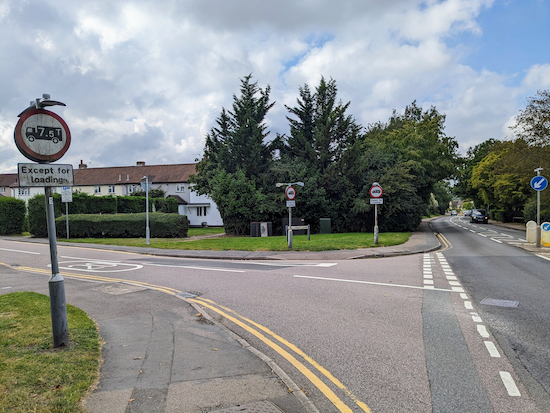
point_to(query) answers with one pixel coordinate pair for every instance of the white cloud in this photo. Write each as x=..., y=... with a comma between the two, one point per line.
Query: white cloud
x=146, y=79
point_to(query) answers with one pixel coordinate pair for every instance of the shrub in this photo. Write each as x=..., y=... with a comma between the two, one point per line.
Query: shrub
x=38, y=226
x=12, y=216
x=161, y=225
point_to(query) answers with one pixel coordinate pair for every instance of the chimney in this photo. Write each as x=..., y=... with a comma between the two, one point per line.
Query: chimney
x=140, y=163
x=82, y=165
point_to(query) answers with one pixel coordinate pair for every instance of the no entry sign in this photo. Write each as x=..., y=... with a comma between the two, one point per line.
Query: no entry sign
x=42, y=136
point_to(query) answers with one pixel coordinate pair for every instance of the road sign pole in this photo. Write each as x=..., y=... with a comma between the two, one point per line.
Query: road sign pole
x=376, y=224
x=56, y=284
x=538, y=231
x=67, y=217
x=290, y=227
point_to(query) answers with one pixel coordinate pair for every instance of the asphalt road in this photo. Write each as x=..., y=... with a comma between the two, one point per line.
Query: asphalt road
x=384, y=335
x=510, y=289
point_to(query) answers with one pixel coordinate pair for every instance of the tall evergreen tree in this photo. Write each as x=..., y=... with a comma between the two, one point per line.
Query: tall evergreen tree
x=237, y=154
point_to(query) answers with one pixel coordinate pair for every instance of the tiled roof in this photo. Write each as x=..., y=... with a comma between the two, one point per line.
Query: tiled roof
x=7, y=180
x=178, y=173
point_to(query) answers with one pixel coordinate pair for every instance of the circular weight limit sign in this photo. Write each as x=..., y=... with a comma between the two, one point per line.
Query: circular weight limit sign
x=376, y=191
x=42, y=136
x=290, y=193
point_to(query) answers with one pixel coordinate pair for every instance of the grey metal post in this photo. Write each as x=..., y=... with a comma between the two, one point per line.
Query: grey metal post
x=538, y=231
x=56, y=284
x=146, y=209
x=67, y=217
x=375, y=224
x=290, y=227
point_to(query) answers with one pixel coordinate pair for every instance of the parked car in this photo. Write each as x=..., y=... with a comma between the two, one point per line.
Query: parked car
x=467, y=212
x=453, y=212
x=479, y=215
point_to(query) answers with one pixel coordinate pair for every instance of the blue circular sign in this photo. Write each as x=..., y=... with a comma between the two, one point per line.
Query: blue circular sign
x=539, y=183
x=546, y=226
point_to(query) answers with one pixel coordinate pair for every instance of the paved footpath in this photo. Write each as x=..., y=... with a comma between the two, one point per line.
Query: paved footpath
x=161, y=354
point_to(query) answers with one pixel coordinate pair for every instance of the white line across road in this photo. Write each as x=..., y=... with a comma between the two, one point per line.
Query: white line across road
x=24, y=252
x=372, y=283
x=193, y=268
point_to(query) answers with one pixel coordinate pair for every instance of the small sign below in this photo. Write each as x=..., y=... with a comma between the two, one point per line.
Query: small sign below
x=67, y=194
x=35, y=174
x=376, y=201
x=290, y=204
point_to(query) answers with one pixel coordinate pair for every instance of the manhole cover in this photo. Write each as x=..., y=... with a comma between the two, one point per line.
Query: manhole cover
x=263, y=406
x=499, y=303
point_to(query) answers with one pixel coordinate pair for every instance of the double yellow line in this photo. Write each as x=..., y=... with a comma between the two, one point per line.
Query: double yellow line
x=444, y=241
x=249, y=326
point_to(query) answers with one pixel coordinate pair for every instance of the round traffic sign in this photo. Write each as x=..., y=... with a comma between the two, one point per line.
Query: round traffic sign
x=376, y=191
x=290, y=193
x=42, y=136
x=539, y=183
x=545, y=226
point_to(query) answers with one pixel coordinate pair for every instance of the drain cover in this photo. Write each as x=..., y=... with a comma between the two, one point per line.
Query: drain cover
x=263, y=406
x=499, y=303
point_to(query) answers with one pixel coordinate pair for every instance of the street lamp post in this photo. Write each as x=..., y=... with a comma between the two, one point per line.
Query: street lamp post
x=146, y=209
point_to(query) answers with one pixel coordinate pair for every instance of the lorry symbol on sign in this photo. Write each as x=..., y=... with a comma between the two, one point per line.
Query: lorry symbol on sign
x=44, y=132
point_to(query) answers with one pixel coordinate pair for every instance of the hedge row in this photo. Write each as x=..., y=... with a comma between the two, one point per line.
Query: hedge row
x=87, y=204
x=161, y=225
x=12, y=216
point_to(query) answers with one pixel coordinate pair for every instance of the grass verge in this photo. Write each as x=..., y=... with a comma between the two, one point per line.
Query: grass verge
x=318, y=242
x=35, y=377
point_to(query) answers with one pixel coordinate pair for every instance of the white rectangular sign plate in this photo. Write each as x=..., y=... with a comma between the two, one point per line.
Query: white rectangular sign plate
x=67, y=194
x=36, y=174
x=290, y=204
x=376, y=201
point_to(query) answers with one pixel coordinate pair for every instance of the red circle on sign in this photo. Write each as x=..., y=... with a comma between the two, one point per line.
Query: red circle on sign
x=42, y=136
x=376, y=191
x=290, y=193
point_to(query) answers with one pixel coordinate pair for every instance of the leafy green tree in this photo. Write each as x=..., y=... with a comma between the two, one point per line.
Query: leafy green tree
x=237, y=150
x=408, y=156
x=474, y=156
x=319, y=152
x=443, y=195
x=533, y=123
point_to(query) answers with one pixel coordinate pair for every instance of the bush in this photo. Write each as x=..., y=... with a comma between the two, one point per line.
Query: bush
x=167, y=205
x=38, y=226
x=89, y=204
x=530, y=212
x=161, y=225
x=12, y=216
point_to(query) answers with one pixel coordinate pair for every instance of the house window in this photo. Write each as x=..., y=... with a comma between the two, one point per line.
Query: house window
x=201, y=211
x=97, y=189
x=24, y=191
x=180, y=188
x=2, y=190
x=111, y=189
x=131, y=188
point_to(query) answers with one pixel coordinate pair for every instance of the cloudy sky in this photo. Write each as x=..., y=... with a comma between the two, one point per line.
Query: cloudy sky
x=144, y=80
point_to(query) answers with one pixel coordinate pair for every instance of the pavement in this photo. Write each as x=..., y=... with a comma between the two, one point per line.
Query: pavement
x=163, y=353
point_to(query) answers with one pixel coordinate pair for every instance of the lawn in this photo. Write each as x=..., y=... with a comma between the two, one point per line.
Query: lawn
x=318, y=242
x=34, y=377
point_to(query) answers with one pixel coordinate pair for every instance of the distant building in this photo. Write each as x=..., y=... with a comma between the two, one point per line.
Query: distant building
x=125, y=180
